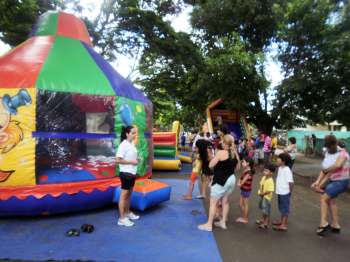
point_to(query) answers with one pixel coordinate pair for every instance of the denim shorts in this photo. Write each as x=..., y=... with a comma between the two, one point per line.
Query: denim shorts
x=265, y=206
x=334, y=188
x=284, y=204
x=219, y=191
x=245, y=193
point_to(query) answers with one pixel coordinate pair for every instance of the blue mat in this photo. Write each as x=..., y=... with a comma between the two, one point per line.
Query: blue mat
x=167, y=232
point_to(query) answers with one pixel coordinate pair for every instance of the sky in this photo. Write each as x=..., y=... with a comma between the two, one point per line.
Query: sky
x=180, y=23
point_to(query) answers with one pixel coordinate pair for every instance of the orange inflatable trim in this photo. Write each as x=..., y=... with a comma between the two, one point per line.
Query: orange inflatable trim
x=148, y=185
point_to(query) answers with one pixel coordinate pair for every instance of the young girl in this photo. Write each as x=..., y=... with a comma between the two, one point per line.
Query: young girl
x=201, y=149
x=207, y=174
x=127, y=161
x=245, y=184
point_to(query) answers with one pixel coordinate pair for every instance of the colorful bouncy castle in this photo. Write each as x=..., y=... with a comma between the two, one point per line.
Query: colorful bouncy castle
x=62, y=107
x=219, y=116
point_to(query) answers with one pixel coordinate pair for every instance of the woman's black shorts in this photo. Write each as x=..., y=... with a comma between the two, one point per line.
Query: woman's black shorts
x=127, y=179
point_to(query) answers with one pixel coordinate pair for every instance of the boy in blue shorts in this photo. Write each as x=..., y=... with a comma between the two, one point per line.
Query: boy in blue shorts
x=284, y=187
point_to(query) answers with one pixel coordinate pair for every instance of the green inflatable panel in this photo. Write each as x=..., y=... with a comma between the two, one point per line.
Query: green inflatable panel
x=70, y=68
x=48, y=23
x=158, y=147
x=165, y=152
x=132, y=112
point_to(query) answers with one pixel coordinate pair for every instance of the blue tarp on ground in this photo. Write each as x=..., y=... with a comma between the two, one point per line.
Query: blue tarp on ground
x=165, y=233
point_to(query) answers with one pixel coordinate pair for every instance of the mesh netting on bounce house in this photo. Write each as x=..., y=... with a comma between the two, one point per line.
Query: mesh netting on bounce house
x=62, y=108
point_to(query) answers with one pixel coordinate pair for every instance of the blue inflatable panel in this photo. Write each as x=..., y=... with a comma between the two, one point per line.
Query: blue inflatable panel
x=142, y=201
x=49, y=205
x=66, y=175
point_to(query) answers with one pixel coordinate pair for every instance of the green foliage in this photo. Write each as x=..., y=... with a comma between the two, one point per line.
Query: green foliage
x=224, y=55
x=17, y=17
x=254, y=20
x=315, y=53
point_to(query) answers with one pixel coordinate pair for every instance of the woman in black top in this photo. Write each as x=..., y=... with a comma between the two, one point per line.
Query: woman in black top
x=224, y=164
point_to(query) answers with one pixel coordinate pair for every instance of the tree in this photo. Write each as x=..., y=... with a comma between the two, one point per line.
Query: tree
x=315, y=54
x=255, y=24
x=18, y=17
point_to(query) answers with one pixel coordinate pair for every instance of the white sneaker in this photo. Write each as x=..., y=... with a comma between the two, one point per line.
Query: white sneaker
x=132, y=216
x=125, y=222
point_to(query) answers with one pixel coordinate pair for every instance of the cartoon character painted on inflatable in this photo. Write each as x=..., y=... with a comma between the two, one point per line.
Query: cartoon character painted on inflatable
x=10, y=131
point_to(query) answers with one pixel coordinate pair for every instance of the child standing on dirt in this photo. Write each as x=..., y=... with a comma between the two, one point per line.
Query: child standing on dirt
x=266, y=189
x=245, y=183
x=284, y=187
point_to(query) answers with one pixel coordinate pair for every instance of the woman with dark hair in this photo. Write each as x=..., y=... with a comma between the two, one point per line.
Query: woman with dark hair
x=200, y=165
x=127, y=160
x=336, y=165
x=291, y=149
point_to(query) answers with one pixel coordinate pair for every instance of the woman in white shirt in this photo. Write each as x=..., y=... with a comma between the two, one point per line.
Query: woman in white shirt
x=127, y=160
x=336, y=166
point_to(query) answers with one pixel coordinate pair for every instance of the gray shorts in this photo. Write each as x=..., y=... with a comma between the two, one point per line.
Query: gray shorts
x=265, y=206
x=219, y=191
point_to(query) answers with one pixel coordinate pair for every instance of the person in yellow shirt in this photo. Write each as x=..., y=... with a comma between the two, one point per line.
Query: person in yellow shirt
x=266, y=189
x=273, y=146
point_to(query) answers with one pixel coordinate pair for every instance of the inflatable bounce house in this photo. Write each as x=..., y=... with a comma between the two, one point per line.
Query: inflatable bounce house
x=62, y=107
x=166, y=149
x=219, y=116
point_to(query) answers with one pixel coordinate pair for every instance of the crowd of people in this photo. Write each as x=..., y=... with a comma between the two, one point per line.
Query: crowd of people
x=217, y=159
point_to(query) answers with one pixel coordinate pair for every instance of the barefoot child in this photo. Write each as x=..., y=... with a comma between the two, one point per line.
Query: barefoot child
x=284, y=187
x=201, y=156
x=266, y=188
x=245, y=184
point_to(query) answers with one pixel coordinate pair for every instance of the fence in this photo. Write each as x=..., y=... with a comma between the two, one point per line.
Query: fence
x=302, y=142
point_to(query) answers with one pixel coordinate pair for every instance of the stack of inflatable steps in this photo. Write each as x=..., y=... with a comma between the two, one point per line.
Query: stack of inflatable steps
x=165, y=151
x=146, y=193
x=185, y=157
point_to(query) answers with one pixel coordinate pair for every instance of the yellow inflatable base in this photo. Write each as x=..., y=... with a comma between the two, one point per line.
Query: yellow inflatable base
x=168, y=164
x=185, y=159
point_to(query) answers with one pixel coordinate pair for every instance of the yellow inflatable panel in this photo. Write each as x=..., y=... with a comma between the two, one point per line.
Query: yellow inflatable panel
x=166, y=164
x=185, y=159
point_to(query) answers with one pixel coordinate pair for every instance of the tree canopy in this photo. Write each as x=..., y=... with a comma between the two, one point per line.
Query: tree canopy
x=223, y=56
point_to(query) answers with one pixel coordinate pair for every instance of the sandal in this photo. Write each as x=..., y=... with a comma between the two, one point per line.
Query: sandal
x=241, y=220
x=219, y=224
x=280, y=228
x=87, y=228
x=276, y=223
x=263, y=226
x=258, y=222
x=73, y=232
x=322, y=230
x=186, y=197
x=335, y=230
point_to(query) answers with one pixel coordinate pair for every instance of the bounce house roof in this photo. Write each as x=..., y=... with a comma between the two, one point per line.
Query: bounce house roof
x=59, y=57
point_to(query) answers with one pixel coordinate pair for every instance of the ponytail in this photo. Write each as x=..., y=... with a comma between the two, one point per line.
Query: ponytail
x=230, y=142
x=125, y=130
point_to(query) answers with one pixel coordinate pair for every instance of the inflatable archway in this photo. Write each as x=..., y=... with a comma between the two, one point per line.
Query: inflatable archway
x=62, y=107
